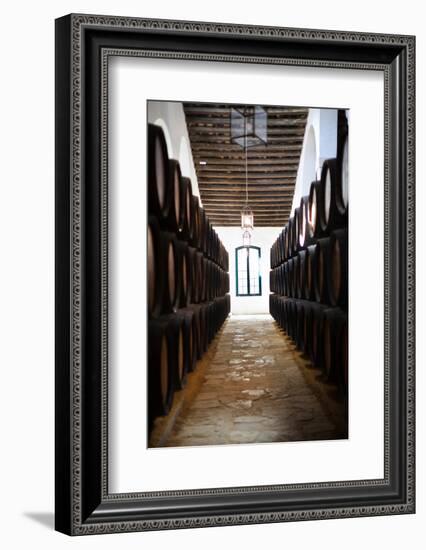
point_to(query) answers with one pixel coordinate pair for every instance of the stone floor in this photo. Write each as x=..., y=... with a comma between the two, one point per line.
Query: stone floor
x=256, y=388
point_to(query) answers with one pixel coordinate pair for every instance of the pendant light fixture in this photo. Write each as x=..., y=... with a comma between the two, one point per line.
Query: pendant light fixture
x=248, y=128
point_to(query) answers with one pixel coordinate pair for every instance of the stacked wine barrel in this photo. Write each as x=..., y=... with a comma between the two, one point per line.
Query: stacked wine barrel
x=188, y=279
x=309, y=275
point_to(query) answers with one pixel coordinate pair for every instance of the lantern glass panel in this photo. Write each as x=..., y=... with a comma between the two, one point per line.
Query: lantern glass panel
x=249, y=126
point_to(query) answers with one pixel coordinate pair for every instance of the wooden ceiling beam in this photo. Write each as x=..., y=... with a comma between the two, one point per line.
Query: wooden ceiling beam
x=273, y=141
x=272, y=168
x=217, y=110
x=241, y=201
x=212, y=131
x=195, y=122
x=240, y=179
x=258, y=212
x=273, y=150
x=219, y=189
x=216, y=162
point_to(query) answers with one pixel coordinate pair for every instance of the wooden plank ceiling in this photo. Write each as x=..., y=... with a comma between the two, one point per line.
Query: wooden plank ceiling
x=272, y=168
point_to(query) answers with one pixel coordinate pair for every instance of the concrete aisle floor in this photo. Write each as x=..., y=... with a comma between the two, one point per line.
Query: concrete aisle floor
x=257, y=387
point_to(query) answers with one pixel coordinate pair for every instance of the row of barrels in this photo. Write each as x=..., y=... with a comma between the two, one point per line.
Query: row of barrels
x=320, y=213
x=318, y=273
x=188, y=279
x=176, y=342
x=179, y=274
x=320, y=331
x=171, y=201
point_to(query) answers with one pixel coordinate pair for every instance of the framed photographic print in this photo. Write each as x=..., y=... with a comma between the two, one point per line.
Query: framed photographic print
x=234, y=274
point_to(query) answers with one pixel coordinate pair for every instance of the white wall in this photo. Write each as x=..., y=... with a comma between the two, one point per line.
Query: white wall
x=263, y=237
x=171, y=117
x=319, y=144
x=27, y=311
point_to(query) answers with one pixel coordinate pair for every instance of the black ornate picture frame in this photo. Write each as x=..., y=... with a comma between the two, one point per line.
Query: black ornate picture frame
x=84, y=44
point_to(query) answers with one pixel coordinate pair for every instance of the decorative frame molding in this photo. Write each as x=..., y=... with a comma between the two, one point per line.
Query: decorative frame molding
x=84, y=44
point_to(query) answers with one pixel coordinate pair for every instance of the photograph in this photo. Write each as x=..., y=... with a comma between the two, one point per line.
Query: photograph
x=247, y=270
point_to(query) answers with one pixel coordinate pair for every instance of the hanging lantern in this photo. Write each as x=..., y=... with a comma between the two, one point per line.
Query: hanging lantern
x=246, y=238
x=247, y=218
x=249, y=126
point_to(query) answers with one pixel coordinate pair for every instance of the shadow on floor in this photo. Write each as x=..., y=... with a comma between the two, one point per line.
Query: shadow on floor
x=47, y=519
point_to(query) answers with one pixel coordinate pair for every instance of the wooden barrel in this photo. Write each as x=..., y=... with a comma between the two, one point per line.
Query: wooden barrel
x=227, y=284
x=287, y=252
x=279, y=285
x=335, y=321
x=279, y=317
x=344, y=357
x=322, y=262
x=192, y=274
x=272, y=304
x=170, y=270
x=286, y=278
x=205, y=233
x=158, y=173
x=204, y=321
x=198, y=277
x=305, y=228
x=272, y=286
x=283, y=279
x=197, y=335
x=283, y=243
x=290, y=276
x=343, y=191
x=300, y=325
x=209, y=239
x=295, y=278
x=290, y=236
x=204, y=283
x=274, y=254
x=203, y=229
x=342, y=132
x=301, y=285
x=292, y=318
x=280, y=242
x=316, y=342
x=213, y=280
x=189, y=335
x=310, y=268
x=226, y=260
x=160, y=379
x=338, y=271
x=184, y=275
x=215, y=243
x=185, y=232
x=307, y=328
x=316, y=209
x=295, y=235
x=175, y=215
x=175, y=335
x=282, y=314
x=195, y=222
x=155, y=270
x=331, y=184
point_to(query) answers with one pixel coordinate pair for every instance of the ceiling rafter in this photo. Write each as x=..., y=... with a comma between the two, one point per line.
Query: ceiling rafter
x=220, y=164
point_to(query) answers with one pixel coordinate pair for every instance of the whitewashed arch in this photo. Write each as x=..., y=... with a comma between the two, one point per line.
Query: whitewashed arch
x=310, y=161
x=161, y=122
x=184, y=159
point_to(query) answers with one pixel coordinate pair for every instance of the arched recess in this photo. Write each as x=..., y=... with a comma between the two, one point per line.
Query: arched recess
x=309, y=162
x=184, y=160
x=160, y=122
